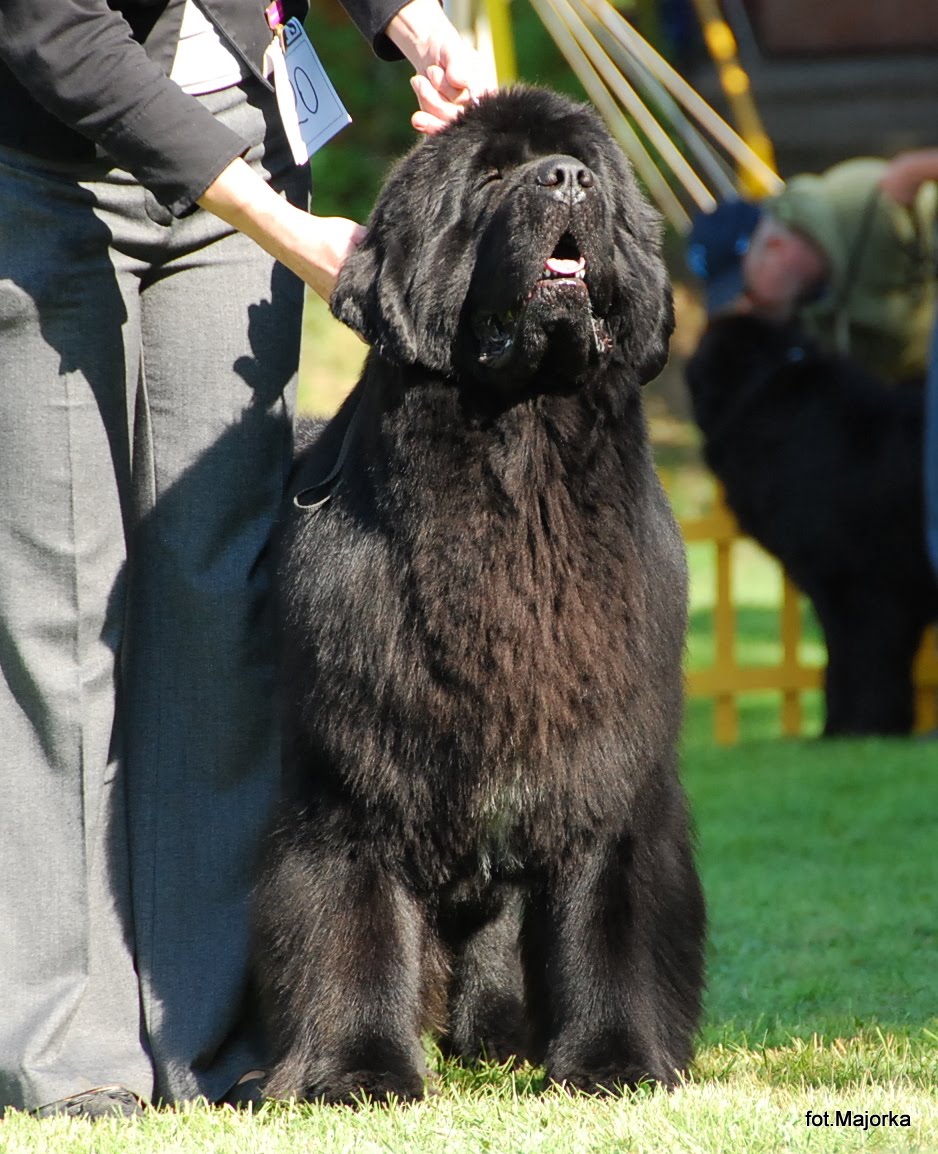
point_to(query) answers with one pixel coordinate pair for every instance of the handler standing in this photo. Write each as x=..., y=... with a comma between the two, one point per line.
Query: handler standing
x=148, y=354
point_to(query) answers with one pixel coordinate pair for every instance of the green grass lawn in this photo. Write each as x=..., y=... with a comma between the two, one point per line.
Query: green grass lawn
x=820, y=863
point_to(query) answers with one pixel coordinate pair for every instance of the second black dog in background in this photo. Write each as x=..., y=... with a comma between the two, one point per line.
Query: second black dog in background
x=822, y=465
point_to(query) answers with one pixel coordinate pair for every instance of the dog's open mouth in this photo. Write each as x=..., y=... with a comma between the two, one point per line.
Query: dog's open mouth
x=565, y=263
x=564, y=271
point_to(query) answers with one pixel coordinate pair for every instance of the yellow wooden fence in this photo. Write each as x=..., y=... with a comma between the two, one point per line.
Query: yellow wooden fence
x=726, y=678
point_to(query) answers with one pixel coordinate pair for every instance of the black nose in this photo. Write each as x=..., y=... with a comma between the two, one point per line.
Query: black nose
x=564, y=176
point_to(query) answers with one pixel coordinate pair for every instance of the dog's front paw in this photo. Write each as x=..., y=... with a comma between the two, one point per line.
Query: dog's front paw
x=357, y=1086
x=608, y=1079
x=608, y=1067
x=377, y=1078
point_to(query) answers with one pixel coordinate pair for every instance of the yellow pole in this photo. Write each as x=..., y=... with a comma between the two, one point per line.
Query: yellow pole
x=926, y=681
x=734, y=81
x=594, y=86
x=687, y=96
x=627, y=96
x=503, y=41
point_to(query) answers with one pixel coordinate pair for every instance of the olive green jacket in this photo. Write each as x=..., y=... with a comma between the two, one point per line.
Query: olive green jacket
x=879, y=302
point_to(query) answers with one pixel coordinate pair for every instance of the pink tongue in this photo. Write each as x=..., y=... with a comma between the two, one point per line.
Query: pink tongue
x=565, y=267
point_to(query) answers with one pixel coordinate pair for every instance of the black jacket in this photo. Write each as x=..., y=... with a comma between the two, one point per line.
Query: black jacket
x=75, y=74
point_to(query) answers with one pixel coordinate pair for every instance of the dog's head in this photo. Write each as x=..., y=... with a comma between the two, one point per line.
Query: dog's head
x=515, y=242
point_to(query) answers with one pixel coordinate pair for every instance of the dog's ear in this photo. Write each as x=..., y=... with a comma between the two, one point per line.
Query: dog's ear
x=370, y=295
x=644, y=286
x=655, y=353
x=645, y=321
x=401, y=290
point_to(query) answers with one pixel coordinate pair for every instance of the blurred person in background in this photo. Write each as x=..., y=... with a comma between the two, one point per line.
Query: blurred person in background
x=850, y=255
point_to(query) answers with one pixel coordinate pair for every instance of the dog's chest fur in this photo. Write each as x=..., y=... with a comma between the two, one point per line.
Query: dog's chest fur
x=520, y=601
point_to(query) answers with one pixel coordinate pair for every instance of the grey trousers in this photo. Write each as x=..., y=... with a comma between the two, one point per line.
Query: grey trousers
x=147, y=366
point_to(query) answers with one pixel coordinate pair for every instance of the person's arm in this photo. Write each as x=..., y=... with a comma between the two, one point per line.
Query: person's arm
x=450, y=74
x=78, y=59
x=314, y=247
x=906, y=173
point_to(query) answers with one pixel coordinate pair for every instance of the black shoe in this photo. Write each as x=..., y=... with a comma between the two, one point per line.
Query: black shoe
x=101, y=1102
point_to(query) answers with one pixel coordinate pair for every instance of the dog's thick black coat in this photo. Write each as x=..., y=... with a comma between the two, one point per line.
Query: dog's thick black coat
x=822, y=464
x=483, y=631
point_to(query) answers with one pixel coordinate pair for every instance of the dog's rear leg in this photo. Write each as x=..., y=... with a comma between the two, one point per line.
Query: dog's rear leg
x=338, y=944
x=618, y=938
x=487, y=1017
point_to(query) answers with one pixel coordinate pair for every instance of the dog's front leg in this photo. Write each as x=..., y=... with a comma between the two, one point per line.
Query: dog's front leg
x=615, y=944
x=339, y=950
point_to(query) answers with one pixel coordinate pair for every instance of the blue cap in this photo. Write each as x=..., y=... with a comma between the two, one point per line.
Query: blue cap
x=716, y=245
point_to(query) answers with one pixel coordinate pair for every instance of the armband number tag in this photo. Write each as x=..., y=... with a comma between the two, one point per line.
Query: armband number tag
x=310, y=108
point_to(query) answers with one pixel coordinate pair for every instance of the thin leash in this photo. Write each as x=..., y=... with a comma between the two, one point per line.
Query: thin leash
x=305, y=499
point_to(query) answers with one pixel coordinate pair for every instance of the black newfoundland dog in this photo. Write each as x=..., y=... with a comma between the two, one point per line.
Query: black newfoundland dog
x=483, y=601
x=822, y=465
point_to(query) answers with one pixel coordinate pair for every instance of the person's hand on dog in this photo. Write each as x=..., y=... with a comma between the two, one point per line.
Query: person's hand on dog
x=314, y=247
x=436, y=110
x=450, y=73
x=322, y=246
